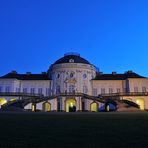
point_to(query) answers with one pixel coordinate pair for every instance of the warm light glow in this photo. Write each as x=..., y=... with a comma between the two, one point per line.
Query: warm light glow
x=70, y=103
x=12, y=99
x=140, y=102
x=107, y=108
x=46, y=107
x=33, y=108
x=3, y=101
x=94, y=107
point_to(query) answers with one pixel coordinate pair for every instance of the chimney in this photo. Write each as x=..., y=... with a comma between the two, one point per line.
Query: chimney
x=100, y=73
x=130, y=71
x=14, y=72
x=114, y=73
x=44, y=73
x=28, y=73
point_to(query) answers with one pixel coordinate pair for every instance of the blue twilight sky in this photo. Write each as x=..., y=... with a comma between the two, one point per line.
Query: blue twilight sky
x=111, y=34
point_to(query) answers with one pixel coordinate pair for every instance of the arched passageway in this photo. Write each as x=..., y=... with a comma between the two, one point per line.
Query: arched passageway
x=110, y=106
x=140, y=102
x=70, y=105
x=94, y=107
x=3, y=101
x=46, y=107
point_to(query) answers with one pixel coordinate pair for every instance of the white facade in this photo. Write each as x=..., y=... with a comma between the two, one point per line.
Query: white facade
x=73, y=74
x=26, y=86
x=72, y=77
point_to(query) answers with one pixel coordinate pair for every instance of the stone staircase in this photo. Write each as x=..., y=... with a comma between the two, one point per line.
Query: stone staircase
x=124, y=105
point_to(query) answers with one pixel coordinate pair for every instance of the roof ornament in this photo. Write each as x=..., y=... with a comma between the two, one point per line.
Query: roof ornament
x=14, y=72
x=71, y=53
x=71, y=60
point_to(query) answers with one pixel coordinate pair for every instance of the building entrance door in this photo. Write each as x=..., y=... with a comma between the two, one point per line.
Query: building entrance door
x=94, y=107
x=140, y=102
x=46, y=106
x=70, y=105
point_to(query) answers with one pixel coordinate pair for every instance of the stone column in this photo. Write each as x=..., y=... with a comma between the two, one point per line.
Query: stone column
x=77, y=103
x=80, y=104
x=63, y=104
x=55, y=104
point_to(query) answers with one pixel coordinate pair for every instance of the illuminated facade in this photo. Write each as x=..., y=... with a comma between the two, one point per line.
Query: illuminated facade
x=73, y=74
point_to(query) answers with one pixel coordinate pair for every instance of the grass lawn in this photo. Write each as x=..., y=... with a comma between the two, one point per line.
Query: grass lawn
x=73, y=130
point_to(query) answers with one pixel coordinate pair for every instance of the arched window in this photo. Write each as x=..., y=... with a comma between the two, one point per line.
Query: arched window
x=84, y=76
x=46, y=106
x=85, y=90
x=58, y=76
x=58, y=89
x=94, y=107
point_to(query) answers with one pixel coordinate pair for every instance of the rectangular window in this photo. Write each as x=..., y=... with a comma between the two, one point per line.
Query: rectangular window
x=7, y=89
x=118, y=90
x=0, y=88
x=17, y=89
x=47, y=91
x=143, y=89
x=94, y=91
x=85, y=90
x=40, y=90
x=135, y=89
x=102, y=90
x=32, y=90
x=24, y=90
x=110, y=90
x=58, y=91
x=124, y=90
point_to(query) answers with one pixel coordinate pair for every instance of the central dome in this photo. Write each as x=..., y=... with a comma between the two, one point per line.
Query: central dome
x=72, y=58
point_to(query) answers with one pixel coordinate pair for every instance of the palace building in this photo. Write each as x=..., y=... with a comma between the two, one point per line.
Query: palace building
x=74, y=84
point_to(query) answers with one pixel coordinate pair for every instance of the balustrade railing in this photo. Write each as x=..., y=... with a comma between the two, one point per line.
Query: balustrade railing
x=20, y=94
